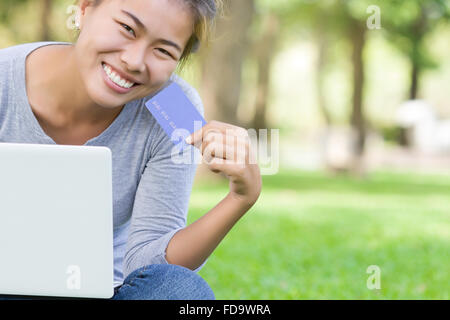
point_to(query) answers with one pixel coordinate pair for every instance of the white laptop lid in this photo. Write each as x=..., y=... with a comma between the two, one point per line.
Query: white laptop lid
x=56, y=220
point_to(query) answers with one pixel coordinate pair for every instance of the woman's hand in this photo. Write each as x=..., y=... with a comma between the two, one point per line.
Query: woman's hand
x=227, y=149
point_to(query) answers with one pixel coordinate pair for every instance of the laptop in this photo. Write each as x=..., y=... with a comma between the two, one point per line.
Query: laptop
x=56, y=221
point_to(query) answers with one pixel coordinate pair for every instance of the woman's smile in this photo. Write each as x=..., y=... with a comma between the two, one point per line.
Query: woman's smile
x=116, y=81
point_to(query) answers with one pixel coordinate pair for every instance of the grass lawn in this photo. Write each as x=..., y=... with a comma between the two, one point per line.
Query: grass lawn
x=311, y=236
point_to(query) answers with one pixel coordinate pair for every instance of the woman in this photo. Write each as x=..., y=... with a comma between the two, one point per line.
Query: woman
x=93, y=93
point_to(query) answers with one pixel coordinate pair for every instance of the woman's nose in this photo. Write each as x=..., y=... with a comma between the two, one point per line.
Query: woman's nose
x=133, y=58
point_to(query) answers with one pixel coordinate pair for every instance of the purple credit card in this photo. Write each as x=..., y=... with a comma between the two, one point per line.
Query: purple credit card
x=175, y=113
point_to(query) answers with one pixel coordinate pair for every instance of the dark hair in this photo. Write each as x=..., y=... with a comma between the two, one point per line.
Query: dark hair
x=204, y=13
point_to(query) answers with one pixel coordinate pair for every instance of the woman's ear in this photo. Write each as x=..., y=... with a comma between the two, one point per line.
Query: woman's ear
x=84, y=5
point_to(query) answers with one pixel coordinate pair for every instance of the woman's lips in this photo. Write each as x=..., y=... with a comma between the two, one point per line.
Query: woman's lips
x=114, y=86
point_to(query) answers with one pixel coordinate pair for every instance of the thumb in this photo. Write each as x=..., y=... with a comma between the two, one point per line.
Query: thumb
x=195, y=137
x=188, y=139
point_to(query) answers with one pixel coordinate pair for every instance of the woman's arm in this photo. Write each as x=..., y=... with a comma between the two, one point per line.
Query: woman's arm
x=162, y=196
x=160, y=206
x=192, y=245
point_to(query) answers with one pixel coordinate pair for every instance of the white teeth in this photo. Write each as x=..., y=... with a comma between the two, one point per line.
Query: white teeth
x=116, y=78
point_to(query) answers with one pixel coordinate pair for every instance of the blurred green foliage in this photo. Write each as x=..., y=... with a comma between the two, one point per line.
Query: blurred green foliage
x=393, y=134
x=6, y=8
x=313, y=236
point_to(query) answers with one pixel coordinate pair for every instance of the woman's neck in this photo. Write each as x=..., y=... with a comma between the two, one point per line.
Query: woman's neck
x=54, y=84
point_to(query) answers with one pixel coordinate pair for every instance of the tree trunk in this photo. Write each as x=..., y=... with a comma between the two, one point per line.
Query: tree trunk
x=45, y=20
x=322, y=42
x=222, y=62
x=326, y=138
x=264, y=56
x=357, y=33
x=418, y=33
x=415, y=73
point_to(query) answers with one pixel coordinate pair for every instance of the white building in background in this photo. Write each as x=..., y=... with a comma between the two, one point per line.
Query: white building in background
x=427, y=133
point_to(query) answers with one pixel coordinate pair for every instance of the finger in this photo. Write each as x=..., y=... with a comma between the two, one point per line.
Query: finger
x=226, y=147
x=236, y=147
x=226, y=126
x=198, y=137
x=216, y=126
x=209, y=138
x=240, y=148
x=218, y=150
x=235, y=141
x=214, y=150
x=227, y=167
x=193, y=138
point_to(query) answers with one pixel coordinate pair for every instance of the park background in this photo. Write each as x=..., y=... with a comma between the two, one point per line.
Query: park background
x=359, y=94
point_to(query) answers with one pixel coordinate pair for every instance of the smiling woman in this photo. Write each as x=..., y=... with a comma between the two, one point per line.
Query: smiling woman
x=93, y=93
x=150, y=38
x=202, y=13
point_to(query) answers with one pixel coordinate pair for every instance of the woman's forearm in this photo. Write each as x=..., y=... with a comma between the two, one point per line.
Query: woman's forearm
x=191, y=246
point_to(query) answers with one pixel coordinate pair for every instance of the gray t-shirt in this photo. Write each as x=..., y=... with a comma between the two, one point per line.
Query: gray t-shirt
x=150, y=191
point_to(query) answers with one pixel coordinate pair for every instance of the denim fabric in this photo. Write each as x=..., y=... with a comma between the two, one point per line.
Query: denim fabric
x=164, y=282
x=153, y=282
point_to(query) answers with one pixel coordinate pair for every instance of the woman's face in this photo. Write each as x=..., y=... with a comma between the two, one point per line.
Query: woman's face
x=143, y=51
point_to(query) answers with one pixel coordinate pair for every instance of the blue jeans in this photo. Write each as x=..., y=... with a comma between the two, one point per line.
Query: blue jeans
x=155, y=282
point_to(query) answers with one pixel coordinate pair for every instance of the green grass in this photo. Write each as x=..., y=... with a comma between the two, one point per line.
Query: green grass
x=311, y=236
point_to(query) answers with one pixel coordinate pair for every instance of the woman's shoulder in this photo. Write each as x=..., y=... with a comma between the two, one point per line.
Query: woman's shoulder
x=10, y=62
x=9, y=54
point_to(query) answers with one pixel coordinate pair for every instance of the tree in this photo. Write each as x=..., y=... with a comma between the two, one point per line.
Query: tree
x=340, y=20
x=264, y=52
x=45, y=19
x=7, y=7
x=221, y=63
x=408, y=23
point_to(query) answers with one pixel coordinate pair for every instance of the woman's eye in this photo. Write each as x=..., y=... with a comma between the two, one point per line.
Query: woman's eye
x=165, y=52
x=129, y=29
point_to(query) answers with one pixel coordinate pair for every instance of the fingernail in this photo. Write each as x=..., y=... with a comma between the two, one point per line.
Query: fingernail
x=188, y=140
